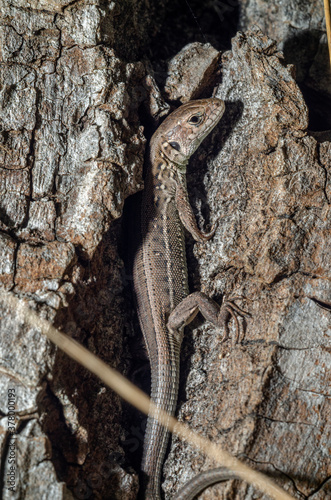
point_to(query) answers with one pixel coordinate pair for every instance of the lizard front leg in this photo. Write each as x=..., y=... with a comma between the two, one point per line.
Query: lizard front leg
x=187, y=216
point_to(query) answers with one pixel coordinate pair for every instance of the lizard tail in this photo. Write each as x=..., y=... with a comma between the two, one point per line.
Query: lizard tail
x=202, y=481
x=165, y=381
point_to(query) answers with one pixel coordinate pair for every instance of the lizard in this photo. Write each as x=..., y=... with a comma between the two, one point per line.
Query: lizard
x=160, y=281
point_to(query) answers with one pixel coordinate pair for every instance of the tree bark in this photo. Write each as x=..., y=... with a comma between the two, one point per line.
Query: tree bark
x=78, y=81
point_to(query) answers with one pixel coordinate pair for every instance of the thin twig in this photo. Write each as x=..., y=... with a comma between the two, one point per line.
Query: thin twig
x=140, y=400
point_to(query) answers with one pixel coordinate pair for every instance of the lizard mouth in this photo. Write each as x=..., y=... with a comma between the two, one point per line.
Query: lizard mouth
x=215, y=110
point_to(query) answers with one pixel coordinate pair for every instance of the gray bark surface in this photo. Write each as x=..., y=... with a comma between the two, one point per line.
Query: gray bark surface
x=78, y=81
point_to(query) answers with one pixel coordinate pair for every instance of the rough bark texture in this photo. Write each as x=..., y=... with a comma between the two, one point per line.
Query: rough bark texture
x=298, y=26
x=71, y=151
x=72, y=144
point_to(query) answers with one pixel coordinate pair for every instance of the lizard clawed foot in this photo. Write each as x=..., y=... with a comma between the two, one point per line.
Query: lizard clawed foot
x=230, y=310
x=207, y=236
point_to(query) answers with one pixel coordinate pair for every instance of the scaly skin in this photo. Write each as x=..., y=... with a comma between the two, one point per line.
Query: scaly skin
x=160, y=272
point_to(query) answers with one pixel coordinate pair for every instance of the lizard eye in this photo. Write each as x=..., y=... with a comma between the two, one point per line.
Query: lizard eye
x=195, y=119
x=175, y=145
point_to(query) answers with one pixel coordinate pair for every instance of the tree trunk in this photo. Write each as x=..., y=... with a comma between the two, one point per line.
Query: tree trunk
x=83, y=84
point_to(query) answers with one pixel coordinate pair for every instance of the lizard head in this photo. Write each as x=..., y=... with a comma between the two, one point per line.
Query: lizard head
x=184, y=129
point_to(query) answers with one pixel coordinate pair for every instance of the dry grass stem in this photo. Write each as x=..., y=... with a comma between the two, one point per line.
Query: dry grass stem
x=328, y=24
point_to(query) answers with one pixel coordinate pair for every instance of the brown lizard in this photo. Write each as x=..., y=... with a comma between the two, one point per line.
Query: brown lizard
x=160, y=272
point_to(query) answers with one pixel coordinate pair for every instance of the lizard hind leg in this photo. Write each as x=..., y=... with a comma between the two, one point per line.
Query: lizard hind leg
x=196, y=302
x=227, y=311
